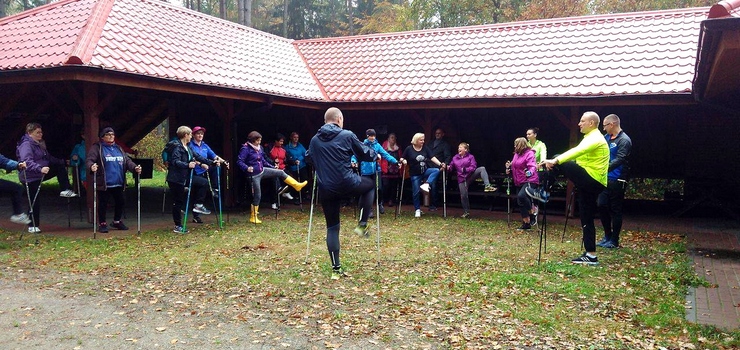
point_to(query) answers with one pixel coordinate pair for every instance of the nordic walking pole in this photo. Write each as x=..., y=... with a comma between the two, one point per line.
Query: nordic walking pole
x=218, y=184
x=78, y=172
x=310, y=218
x=164, y=191
x=400, y=197
x=444, y=194
x=300, y=193
x=30, y=204
x=210, y=188
x=278, y=191
x=138, y=203
x=508, y=202
x=569, y=207
x=95, y=204
x=398, y=192
x=187, y=202
x=377, y=215
x=253, y=208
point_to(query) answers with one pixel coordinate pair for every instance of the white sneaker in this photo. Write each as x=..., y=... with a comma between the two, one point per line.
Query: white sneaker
x=34, y=229
x=424, y=187
x=274, y=206
x=417, y=214
x=21, y=218
x=287, y=195
x=67, y=194
x=201, y=209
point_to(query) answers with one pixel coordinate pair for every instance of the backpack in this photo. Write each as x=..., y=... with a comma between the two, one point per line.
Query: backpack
x=167, y=151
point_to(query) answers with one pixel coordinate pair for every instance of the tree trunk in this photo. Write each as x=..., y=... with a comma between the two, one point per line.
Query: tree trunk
x=222, y=9
x=350, y=19
x=285, y=19
x=248, y=13
x=240, y=11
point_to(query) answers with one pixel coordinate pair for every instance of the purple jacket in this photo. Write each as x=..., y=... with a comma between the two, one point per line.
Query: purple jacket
x=464, y=166
x=36, y=157
x=248, y=156
x=519, y=166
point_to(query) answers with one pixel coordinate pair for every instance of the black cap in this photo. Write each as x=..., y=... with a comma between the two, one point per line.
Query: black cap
x=105, y=131
x=370, y=132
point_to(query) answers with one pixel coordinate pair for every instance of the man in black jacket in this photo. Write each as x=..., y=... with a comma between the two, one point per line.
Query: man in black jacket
x=330, y=151
x=442, y=151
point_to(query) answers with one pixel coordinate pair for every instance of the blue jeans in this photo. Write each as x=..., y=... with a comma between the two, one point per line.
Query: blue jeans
x=430, y=175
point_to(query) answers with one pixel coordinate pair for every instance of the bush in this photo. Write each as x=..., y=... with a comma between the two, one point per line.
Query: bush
x=151, y=146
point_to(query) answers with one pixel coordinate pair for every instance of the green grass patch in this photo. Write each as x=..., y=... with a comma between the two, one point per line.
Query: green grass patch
x=462, y=283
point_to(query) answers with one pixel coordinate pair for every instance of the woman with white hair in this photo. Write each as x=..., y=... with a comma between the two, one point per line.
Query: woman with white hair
x=419, y=159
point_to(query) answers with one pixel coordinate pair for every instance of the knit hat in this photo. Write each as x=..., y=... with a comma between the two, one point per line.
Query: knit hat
x=370, y=132
x=105, y=131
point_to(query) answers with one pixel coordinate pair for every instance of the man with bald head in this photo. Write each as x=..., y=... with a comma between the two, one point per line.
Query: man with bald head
x=611, y=199
x=331, y=151
x=586, y=166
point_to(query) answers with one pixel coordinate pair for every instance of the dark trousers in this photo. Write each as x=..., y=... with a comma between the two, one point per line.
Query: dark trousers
x=610, y=209
x=523, y=200
x=178, y=201
x=390, y=184
x=118, y=202
x=16, y=194
x=331, y=202
x=588, y=191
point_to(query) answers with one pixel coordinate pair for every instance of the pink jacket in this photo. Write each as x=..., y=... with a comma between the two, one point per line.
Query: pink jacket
x=463, y=166
x=520, y=164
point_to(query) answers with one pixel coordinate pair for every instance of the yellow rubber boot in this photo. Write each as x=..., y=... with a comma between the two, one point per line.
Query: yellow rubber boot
x=295, y=184
x=254, y=211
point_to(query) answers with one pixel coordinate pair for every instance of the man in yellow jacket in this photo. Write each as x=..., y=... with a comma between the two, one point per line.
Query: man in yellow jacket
x=586, y=165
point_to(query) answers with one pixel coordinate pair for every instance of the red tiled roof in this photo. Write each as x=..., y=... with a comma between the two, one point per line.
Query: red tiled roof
x=725, y=8
x=155, y=39
x=626, y=54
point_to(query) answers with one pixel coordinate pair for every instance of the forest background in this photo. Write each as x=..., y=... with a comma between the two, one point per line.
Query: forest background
x=307, y=19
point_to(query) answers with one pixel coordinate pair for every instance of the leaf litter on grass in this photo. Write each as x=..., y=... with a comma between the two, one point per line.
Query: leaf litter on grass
x=439, y=283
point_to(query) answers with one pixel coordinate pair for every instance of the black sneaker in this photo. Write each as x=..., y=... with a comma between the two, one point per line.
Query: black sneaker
x=119, y=225
x=197, y=220
x=179, y=229
x=103, y=227
x=601, y=242
x=585, y=259
x=525, y=226
x=532, y=220
x=338, y=273
x=382, y=209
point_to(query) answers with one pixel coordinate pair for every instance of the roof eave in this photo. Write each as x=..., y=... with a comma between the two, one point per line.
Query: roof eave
x=718, y=54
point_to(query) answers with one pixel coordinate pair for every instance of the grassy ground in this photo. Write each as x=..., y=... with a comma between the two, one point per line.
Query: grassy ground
x=459, y=283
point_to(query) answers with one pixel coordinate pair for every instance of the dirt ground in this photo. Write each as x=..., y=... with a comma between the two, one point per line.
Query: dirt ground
x=50, y=310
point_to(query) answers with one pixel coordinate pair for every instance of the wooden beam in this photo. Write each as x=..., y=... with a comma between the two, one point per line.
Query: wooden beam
x=91, y=116
x=226, y=111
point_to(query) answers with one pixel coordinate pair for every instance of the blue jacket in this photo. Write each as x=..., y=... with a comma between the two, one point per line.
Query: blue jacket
x=370, y=168
x=293, y=153
x=7, y=163
x=205, y=151
x=331, y=151
x=619, y=151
